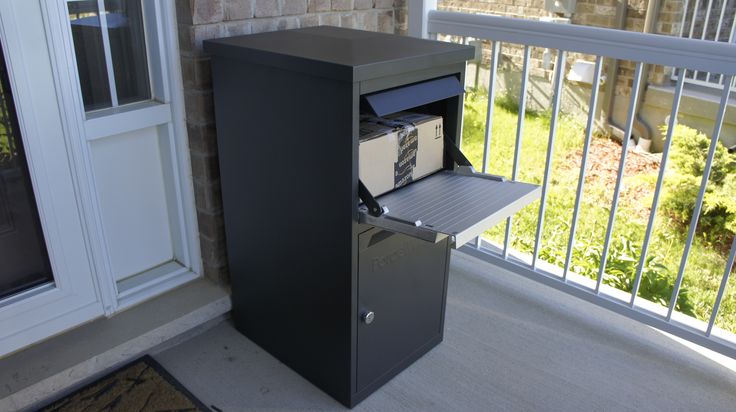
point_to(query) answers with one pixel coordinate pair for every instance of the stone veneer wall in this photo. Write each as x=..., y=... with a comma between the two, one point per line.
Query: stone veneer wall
x=206, y=19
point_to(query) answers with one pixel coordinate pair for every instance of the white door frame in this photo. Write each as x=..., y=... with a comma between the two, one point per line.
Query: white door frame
x=56, y=136
x=166, y=111
x=72, y=299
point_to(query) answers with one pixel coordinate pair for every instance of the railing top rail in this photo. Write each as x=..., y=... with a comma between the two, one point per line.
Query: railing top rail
x=709, y=56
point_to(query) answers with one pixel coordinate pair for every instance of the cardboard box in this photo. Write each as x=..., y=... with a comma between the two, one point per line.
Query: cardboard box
x=399, y=149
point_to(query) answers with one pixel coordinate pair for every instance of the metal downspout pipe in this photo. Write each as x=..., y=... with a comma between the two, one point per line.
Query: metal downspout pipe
x=640, y=126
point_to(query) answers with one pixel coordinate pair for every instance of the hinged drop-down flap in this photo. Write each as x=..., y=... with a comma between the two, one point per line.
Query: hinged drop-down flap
x=404, y=98
x=461, y=204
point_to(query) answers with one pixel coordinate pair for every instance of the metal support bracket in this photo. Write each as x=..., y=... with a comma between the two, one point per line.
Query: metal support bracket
x=463, y=165
x=455, y=153
x=374, y=208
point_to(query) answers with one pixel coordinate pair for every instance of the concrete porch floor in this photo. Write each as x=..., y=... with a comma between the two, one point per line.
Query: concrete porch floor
x=510, y=344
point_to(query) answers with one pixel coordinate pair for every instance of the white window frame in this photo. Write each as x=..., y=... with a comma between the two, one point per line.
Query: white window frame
x=165, y=109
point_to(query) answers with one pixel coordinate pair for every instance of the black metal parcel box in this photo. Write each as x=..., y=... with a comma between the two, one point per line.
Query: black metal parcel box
x=345, y=288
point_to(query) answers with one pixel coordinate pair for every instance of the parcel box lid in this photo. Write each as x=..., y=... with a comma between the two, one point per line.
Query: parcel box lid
x=339, y=53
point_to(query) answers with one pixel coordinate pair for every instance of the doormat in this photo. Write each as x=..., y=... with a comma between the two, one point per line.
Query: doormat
x=142, y=385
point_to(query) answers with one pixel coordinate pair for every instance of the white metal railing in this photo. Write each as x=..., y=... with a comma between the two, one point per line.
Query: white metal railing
x=681, y=53
x=708, y=20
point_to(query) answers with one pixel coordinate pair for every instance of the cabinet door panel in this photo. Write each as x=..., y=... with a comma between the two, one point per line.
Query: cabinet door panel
x=402, y=281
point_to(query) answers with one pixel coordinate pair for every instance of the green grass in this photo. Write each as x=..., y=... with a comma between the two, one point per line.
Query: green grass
x=705, y=266
x=4, y=146
x=5, y=151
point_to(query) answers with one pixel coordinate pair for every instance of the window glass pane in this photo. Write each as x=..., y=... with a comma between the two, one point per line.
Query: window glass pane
x=128, y=48
x=24, y=261
x=84, y=17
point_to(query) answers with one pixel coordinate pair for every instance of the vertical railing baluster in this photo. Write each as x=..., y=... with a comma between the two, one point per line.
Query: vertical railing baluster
x=496, y=48
x=722, y=289
x=701, y=193
x=692, y=29
x=583, y=163
x=620, y=177
x=705, y=30
x=695, y=16
x=559, y=74
x=707, y=19
x=658, y=187
x=684, y=17
x=718, y=30
x=730, y=40
x=519, y=132
x=495, y=52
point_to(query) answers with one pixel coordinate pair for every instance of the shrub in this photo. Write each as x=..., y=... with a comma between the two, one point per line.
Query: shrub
x=717, y=221
x=691, y=151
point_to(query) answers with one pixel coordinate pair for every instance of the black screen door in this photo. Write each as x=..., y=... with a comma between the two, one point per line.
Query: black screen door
x=24, y=261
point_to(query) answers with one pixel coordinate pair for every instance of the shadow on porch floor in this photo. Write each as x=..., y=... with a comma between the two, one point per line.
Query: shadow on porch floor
x=510, y=344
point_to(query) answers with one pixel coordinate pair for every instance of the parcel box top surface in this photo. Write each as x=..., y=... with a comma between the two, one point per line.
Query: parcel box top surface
x=339, y=53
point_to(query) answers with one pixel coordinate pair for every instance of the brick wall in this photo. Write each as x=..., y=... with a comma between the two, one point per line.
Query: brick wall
x=206, y=19
x=597, y=13
x=510, y=8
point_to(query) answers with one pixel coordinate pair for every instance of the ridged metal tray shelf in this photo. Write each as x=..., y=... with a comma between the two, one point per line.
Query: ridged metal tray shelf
x=449, y=203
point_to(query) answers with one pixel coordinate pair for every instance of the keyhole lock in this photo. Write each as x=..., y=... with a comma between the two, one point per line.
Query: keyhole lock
x=368, y=317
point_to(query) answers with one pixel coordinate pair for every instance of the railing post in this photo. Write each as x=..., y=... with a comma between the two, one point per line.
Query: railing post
x=418, y=17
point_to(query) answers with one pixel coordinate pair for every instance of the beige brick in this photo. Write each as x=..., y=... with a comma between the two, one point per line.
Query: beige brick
x=362, y=4
x=288, y=23
x=367, y=20
x=238, y=9
x=341, y=5
x=218, y=274
x=187, y=71
x=401, y=16
x=214, y=250
x=583, y=8
x=212, y=239
x=329, y=19
x=191, y=37
x=670, y=17
x=207, y=11
x=199, y=106
x=309, y=20
x=237, y=28
x=196, y=73
x=204, y=166
x=264, y=25
x=666, y=28
x=267, y=8
x=202, y=138
x=183, y=11
x=293, y=7
x=281, y=23
x=186, y=39
x=384, y=4
x=208, y=196
x=386, y=21
x=634, y=24
x=348, y=20
x=672, y=6
x=318, y=5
